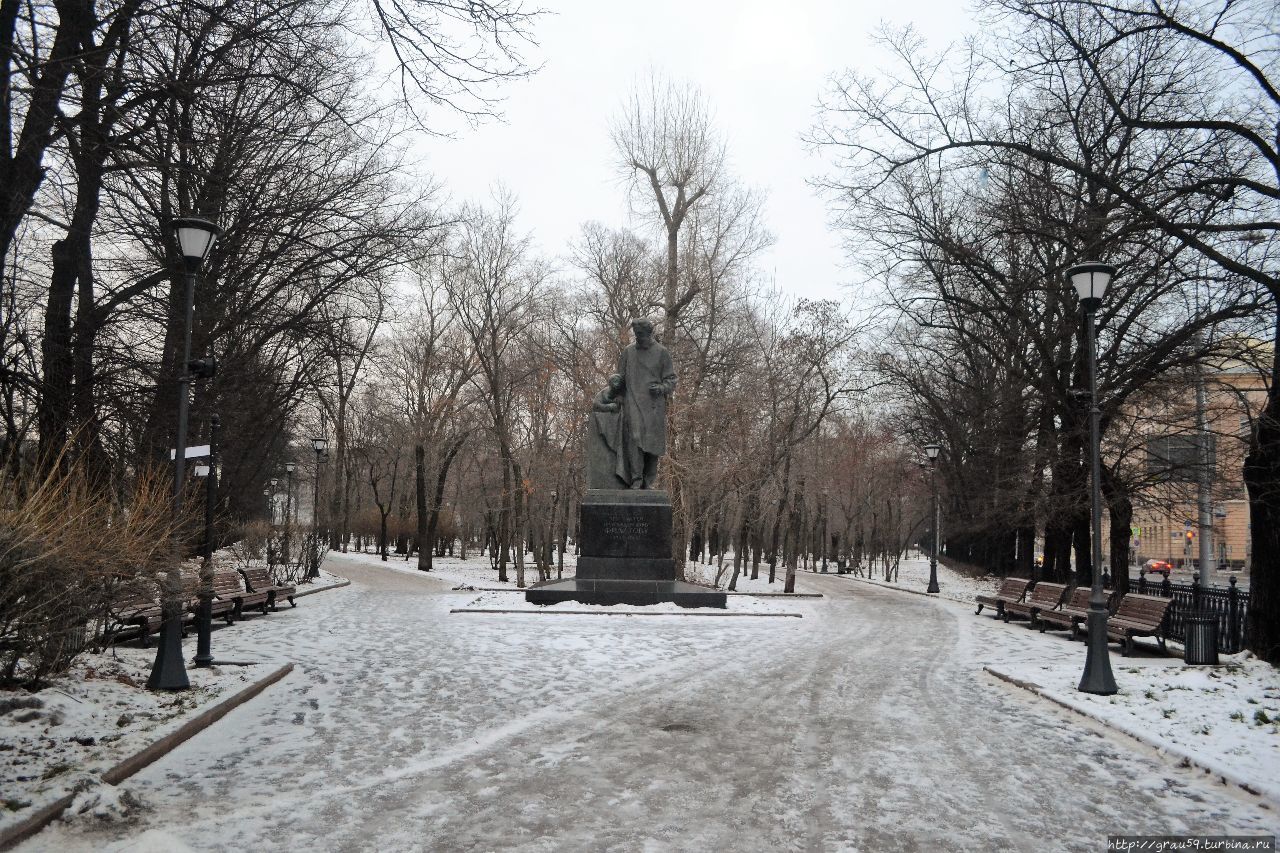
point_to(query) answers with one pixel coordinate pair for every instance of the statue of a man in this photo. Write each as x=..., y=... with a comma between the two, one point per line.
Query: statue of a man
x=648, y=378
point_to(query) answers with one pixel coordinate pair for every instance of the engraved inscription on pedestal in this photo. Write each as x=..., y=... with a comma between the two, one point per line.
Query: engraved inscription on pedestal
x=626, y=530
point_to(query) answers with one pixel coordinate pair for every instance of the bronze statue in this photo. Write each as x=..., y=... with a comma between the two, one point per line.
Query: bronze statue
x=648, y=379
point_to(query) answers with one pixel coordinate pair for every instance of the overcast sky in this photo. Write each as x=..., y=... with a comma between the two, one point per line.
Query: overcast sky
x=760, y=64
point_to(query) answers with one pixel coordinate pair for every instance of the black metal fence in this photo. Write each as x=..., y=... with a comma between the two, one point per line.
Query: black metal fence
x=1228, y=605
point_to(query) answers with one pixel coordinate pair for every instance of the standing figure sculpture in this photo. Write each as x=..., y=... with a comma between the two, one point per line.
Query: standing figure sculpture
x=648, y=379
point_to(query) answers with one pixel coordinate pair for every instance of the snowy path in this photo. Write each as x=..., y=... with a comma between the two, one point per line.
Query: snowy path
x=867, y=725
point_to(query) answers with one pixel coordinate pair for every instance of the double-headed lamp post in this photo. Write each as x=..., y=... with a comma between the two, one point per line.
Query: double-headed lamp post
x=313, y=570
x=1091, y=279
x=932, y=451
x=195, y=239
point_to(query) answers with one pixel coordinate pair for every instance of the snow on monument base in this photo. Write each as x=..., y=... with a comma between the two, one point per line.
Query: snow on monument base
x=625, y=536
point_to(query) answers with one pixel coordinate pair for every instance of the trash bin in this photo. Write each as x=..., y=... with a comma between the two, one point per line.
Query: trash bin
x=1202, y=638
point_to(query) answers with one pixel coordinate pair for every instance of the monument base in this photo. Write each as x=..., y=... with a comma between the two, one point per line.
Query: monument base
x=625, y=537
x=639, y=593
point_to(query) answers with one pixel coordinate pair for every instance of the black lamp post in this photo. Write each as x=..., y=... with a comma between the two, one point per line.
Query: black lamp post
x=313, y=570
x=932, y=451
x=204, y=615
x=1090, y=279
x=288, y=507
x=195, y=239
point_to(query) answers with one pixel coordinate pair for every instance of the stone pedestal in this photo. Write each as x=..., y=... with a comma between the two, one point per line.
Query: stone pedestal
x=625, y=542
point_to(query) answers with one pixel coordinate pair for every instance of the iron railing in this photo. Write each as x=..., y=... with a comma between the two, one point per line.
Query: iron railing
x=1228, y=605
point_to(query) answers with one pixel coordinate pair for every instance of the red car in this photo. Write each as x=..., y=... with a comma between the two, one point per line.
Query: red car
x=1158, y=567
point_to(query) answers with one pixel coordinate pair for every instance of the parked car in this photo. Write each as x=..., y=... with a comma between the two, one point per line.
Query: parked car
x=1157, y=567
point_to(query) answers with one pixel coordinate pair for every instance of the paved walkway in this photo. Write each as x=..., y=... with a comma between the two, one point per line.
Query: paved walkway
x=867, y=725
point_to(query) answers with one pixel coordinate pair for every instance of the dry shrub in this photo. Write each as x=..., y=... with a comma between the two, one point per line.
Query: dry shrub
x=250, y=542
x=66, y=550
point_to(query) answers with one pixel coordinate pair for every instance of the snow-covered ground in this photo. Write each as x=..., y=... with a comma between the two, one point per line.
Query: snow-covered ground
x=92, y=717
x=475, y=571
x=63, y=737
x=867, y=725
x=1225, y=718
x=736, y=605
x=913, y=574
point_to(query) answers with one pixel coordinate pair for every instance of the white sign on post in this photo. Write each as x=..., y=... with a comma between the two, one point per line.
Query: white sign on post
x=192, y=452
x=202, y=470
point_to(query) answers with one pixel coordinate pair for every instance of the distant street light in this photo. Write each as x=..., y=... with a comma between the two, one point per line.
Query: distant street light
x=932, y=451
x=195, y=240
x=313, y=569
x=1091, y=279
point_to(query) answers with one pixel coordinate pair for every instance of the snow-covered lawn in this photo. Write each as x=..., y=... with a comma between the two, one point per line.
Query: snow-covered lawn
x=62, y=738
x=1225, y=718
x=913, y=574
x=737, y=605
x=475, y=571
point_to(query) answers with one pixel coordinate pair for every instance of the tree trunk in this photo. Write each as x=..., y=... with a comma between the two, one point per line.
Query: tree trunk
x=425, y=551
x=1262, y=477
x=54, y=412
x=1120, y=508
x=777, y=519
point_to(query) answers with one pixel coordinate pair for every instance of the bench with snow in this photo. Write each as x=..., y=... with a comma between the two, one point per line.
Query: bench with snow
x=229, y=586
x=1012, y=590
x=135, y=613
x=259, y=580
x=1044, y=596
x=1070, y=615
x=1139, y=616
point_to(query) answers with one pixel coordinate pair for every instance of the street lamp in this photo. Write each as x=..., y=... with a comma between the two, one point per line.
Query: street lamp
x=313, y=570
x=932, y=451
x=288, y=507
x=1090, y=279
x=195, y=240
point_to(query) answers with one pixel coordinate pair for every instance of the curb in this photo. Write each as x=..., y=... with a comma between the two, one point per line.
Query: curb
x=37, y=821
x=725, y=591
x=609, y=613
x=322, y=589
x=1208, y=766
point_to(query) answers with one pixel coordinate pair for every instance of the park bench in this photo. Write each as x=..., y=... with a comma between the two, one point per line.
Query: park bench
x=259, y=579
x=139, y=612
x=1071, y=614
x=1012, y=590
x=218, y=608
x=135, y=613
x=1044, y=596
x=1139, y=616
x=229, y=586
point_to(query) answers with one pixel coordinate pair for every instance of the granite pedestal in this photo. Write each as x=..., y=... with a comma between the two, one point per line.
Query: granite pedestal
x=625, y=543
